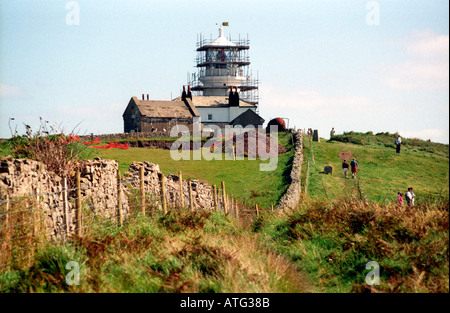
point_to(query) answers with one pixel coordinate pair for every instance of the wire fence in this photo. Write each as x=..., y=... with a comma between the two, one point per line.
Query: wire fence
x=30, y=220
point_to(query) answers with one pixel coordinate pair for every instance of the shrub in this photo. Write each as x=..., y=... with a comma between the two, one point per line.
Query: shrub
x=59, y=152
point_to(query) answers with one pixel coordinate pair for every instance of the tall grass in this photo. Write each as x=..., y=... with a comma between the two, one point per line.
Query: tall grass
x=178, y=252
x=333, y=241
x=59, y=152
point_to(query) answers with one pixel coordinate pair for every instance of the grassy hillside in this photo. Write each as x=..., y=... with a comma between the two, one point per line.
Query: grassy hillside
x=181, y=252
x=322, y=246
x=333, y=241
x=381, y=171
x=243, y=178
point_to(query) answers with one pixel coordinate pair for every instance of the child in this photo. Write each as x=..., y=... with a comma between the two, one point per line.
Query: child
x=400, y=198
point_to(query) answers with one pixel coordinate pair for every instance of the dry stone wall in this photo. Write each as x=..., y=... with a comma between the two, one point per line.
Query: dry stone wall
x=22, y=178
x=292, y=196
x=202, y=196
x=99, y=189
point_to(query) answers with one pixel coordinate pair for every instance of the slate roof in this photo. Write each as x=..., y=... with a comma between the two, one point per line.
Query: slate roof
x=168, y=109
x=248, y=117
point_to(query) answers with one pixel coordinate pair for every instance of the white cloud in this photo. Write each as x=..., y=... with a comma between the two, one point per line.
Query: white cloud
x=7, y=91
x=427, y=66
x=427, y=44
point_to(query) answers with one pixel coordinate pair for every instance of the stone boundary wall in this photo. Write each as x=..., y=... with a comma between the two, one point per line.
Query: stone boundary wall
x=28, y=179
x=292, y=195
x=22, y=178
x=202, y=193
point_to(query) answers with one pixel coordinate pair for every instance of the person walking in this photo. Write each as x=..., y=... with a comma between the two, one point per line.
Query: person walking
x=410, y=196
x=398, y=143
x=400, y=198
x=345, y=168
x=353, y=165
x=332, y=132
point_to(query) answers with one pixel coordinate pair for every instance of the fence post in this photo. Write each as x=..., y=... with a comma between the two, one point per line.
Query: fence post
x=163, y=192
x=232, y=206
x=7, y=234
x=35, y=220
x=181, y=190
x=78, y=203
x=216, y=200
x=224, y=198
x=141, y=181
x=119, y=199
x=306, y=179
x=66, y=206
x=271, y=207
x=191, y=205
x=237, y=211
x=213, y=191
x=257, y=210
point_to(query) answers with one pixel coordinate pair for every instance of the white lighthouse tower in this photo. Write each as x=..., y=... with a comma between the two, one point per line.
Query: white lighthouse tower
x=222, y=64
x=223, y=91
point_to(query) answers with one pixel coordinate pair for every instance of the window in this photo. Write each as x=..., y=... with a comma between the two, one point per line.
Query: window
x=209, y=117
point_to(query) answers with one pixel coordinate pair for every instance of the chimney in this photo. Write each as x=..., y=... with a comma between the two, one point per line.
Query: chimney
x=189, y=94
x=231, y=97
x=148, y=97
x=143, y=97
x=183, y=94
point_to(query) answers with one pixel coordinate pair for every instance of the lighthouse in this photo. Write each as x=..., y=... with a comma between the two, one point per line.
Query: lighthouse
x=223, y=87
x=221, y=93
x=222, y=64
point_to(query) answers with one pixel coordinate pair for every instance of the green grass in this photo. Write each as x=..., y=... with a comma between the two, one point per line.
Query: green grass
x=243, y=178
x=387, y=140
x=181, y=252
x=334, y=240
x=331, y=236
x=381, y=172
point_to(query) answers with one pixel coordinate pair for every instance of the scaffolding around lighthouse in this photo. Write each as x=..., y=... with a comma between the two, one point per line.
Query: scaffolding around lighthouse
x=223, y=63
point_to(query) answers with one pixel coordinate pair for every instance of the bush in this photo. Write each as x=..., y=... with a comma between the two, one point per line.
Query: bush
x=59, y=152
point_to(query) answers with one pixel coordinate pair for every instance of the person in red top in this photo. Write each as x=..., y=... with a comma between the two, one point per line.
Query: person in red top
x=400, y=198
x=345, y=168
x=353, y=164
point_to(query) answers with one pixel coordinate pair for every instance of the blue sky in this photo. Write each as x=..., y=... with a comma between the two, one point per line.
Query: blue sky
x=321, y=64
